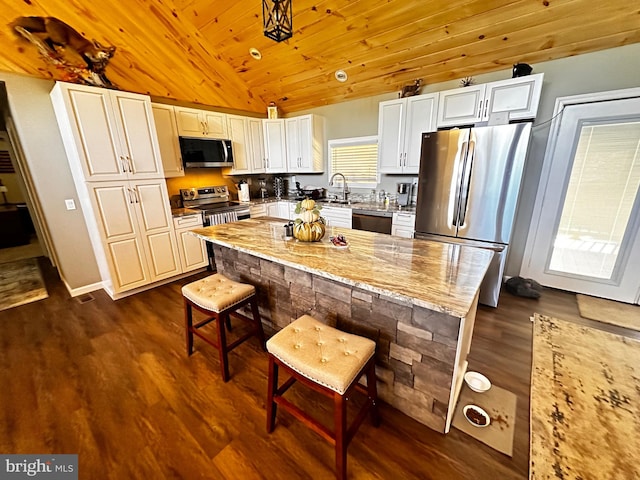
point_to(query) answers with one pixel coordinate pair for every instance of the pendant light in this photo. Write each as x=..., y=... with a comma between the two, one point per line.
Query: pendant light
x=277, y=19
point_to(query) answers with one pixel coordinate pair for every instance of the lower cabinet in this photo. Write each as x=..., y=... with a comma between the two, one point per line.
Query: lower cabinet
x=137, y=244
x=403, y=224
x=191, y=249
x=278, y=209
x=258, y=210
x=337, y=216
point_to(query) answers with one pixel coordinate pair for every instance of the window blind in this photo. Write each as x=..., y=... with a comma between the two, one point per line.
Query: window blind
x=356, y=159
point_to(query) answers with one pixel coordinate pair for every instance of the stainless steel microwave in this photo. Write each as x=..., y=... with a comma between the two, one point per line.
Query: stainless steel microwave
x=206, y=152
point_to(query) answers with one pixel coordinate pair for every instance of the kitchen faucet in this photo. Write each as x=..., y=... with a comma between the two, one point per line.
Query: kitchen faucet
x=345, y=188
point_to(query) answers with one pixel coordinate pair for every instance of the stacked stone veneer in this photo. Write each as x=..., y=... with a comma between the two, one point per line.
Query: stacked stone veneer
x=416, y=347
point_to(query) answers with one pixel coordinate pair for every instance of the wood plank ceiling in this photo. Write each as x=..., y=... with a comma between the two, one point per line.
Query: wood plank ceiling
x=197, y=51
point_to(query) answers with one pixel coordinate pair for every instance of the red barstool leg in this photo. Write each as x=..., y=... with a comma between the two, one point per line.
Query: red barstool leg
x=340, y=420
x=257, y=323
x=188, y=320
x=372, y=393
x=272, y=407
x=222, y=319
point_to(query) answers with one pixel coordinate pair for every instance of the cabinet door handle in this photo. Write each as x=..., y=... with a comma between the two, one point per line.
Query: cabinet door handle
x=136, y=195
x=129, y=195
x=129, y=163
x=480, y=109
x=486, y=107
x=122, y=164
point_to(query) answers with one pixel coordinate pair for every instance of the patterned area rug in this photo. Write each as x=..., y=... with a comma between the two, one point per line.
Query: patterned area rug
x=608, y=311
x=585, y=403
x=20, y=283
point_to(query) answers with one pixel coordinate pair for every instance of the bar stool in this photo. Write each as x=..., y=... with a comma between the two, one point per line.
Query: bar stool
x=219, y=297
x=330, y=362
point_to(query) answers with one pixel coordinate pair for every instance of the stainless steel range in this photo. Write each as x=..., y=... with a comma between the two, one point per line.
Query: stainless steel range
x=216, y=208
x=215, y=204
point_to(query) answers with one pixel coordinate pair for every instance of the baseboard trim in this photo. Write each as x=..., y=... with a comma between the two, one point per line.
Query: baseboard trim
x=118, y=296
x=75, y=292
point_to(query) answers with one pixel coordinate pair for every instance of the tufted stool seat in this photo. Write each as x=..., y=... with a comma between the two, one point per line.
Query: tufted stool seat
x=219, y=297
x=330, y=362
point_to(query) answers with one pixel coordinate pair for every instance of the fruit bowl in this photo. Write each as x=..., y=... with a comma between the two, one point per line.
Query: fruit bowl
x=339, y=241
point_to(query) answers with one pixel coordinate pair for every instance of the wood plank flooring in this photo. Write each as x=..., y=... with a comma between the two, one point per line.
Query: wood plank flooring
x=111, y=382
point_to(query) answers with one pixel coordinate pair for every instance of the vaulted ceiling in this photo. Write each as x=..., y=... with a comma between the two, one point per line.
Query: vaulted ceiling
x=198, y=50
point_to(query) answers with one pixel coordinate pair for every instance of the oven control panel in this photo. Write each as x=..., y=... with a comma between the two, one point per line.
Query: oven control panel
x=199, y=193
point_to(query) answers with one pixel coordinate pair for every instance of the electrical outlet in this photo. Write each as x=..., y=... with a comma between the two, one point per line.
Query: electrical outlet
x=71, y=205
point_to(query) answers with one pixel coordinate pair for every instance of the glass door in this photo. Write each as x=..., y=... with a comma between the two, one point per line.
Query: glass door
x=587, y=238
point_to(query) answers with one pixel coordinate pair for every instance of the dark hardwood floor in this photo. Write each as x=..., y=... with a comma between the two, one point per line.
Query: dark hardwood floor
x=111, y=382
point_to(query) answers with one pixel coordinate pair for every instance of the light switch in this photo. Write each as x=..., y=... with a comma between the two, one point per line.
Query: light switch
x=71, y=205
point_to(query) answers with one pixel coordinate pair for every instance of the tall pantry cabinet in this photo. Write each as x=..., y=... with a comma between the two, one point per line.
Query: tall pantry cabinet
x=111, y=145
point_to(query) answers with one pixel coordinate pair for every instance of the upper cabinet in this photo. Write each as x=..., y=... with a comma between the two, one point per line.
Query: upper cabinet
x=400, y=126
x=305, y=138
x=114, y=133
x=201, y=123
x=275, y=149
x=257, y=159
x=515, y=98
x=167, y=129
x=238, y=128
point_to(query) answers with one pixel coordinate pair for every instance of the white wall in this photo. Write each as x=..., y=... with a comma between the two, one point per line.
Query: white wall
x=46, y=159
x=600, y=71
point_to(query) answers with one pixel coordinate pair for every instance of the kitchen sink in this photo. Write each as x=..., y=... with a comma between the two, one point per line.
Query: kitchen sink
x=338, y=202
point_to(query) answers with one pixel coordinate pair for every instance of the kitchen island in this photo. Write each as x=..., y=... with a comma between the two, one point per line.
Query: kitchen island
x=416, y=298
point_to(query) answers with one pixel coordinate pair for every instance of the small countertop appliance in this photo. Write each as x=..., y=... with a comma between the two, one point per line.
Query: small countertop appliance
x=404, y=194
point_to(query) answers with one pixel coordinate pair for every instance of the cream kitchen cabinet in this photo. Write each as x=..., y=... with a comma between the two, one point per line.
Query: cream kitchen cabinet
x=192, y=250
x=238, y=128
x=257, y=159
x=305, y=138
x=515, y=98
x=275, y=149
x=112, y=149
x=167, y=130
x=337, y=216
x=278, y=210
x=137, y=240
x=256, y=211
x=400, y=126
x=403, y=224
x=111, y=134
x=201, y=123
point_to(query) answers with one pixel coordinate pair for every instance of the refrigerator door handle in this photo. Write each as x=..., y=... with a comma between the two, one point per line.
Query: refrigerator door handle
x=466, y=180
x=455, y=221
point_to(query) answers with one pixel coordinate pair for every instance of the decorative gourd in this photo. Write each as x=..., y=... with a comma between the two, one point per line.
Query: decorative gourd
x=310, y=226
x=309, y=232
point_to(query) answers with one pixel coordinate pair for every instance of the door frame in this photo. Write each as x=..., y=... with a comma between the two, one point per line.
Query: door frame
x=561, y=103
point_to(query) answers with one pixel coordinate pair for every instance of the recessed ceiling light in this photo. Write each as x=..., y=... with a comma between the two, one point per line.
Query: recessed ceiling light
x=341, y=75
x=255, y=53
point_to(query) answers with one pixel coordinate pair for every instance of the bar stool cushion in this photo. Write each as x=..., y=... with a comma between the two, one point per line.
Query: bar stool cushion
x=321, y=353
x=217, y=293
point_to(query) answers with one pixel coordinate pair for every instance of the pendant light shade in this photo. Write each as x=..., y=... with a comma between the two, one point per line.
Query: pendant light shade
x=277, y=19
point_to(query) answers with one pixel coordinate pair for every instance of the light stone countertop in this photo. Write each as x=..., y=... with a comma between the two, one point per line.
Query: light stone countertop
x=439, y=276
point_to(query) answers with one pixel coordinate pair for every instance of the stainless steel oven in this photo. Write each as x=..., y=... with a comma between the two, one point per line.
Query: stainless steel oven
x=216, y=208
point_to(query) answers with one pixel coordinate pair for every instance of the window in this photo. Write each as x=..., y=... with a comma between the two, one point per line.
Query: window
x=357, y=159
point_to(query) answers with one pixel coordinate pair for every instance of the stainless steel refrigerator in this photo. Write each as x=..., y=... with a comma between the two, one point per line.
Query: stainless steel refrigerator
x=468, y=187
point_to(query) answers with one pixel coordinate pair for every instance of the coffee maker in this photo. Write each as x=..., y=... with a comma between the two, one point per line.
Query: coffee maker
x=404, y=194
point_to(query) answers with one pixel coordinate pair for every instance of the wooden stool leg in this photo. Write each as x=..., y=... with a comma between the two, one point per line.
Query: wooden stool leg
x=188, y=320
x=272, y=407
x=340, y=420
x=222, y=345
x=257, y=323
x=372, y=392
